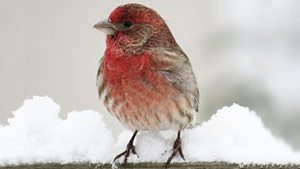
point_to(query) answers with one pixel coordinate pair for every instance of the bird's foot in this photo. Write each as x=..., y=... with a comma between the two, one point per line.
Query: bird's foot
x=130, y=149
x=176, y=149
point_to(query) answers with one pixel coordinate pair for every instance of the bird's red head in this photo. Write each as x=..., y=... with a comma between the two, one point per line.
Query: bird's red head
x=134, y=28
x=136, y=14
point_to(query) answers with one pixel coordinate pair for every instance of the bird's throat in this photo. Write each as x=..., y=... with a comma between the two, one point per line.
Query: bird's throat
x=125, y=67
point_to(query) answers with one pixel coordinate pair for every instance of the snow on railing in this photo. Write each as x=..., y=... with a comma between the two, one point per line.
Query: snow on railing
x=35, y=134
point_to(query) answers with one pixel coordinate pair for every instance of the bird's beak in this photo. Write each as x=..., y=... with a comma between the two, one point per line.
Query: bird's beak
x=106, y=26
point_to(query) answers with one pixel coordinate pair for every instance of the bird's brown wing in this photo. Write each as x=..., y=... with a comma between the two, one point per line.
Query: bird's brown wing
x=178, y=71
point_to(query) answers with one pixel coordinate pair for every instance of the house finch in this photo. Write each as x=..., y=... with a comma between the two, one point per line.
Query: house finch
x=144, y=77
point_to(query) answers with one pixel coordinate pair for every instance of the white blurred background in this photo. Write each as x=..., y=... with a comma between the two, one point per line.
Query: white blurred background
x=245, y=52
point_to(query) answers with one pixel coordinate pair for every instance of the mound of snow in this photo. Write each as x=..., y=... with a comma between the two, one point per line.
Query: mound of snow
x=236, y=134
x=36, y=134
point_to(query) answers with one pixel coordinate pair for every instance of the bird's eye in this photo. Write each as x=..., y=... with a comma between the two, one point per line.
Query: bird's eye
x=127, y=24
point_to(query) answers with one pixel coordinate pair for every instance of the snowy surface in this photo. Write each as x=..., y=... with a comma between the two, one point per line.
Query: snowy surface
x=36, y=134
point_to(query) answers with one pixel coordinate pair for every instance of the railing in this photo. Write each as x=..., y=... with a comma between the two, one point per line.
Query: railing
x=198, y=165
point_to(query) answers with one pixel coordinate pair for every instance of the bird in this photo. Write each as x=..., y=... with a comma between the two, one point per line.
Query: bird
x=144, y=78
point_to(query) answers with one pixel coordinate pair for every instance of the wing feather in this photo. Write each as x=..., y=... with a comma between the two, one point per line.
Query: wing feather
x=178, y=71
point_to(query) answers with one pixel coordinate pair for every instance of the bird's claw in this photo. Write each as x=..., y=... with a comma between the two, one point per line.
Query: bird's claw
x=130, y=149
x=176, y=149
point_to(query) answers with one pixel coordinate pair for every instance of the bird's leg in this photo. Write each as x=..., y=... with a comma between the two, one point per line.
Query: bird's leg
x=176, y=149
x=130, y=149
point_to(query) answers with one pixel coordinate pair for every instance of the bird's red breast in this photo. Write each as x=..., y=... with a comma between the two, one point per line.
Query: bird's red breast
x=140, y=95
